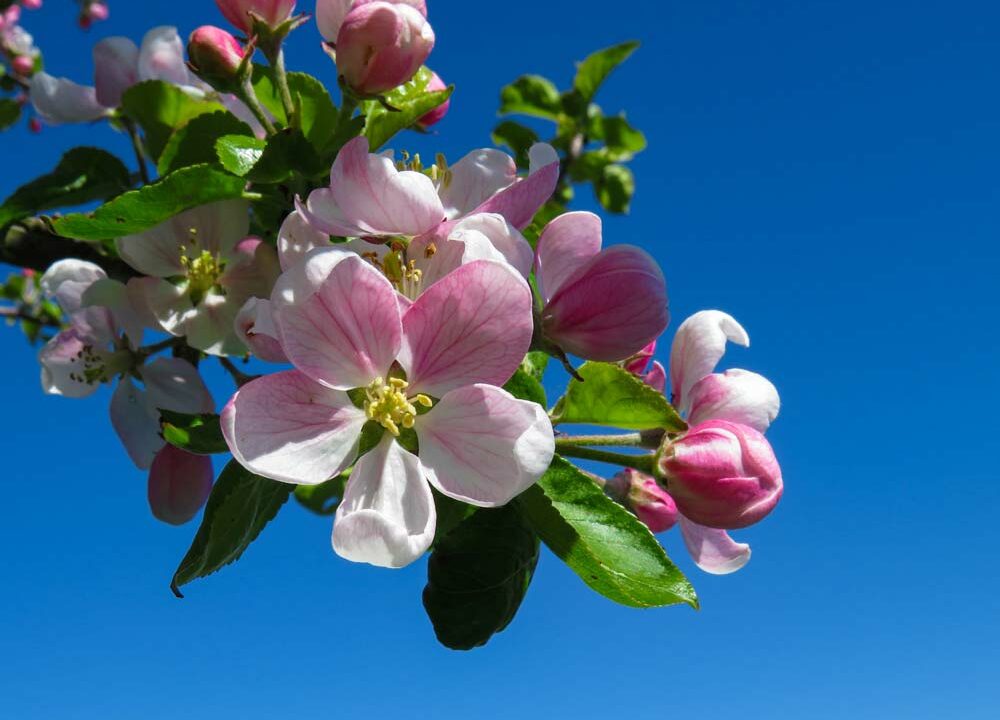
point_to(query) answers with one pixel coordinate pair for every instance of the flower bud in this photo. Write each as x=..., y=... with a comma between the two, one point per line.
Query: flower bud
x=438, y=113
x=721, y=474
x=31, y=4
x=215, y=55
x=179, y=484
x=381, y=45
x=23, y=65
x=641, y=494
x=272, y=12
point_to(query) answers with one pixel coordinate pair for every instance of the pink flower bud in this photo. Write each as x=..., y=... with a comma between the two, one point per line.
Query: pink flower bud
x=179, y=484
x=643, y=496
x=215, y=54
x=97, y=11
x=381, y=45
x=35, y=125
x=24, y=65
x=438, y=113
x=31, y=4
x=273, y=12
x=638, y=363
x=722, y=474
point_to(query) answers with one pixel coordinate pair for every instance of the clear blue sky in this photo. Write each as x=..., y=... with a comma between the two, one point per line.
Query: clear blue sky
x=826, y=172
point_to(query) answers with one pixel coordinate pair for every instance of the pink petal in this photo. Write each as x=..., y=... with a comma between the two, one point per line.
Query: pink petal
x=161, y=57
x=656, y=378
x=503, y=236
x=58, y=100
x=483, y=446
x=251, y=272
x=288, y=428
x=179, y=485
x=115, y=69
x=610, y=308
x=175, y=384
x=472, y=326
x=698, y=346
x=338, y=319
x=67, y=280
x=739, y=396
x=387, y=517
x=255, y=327
x=136, y=422
x=210, y=326
x=519, y=202
x=297, y=238
x=564, y=246
x=713, y=550
x=475, y=179
x=114, y=296
x=369, y=196
x=61, y=365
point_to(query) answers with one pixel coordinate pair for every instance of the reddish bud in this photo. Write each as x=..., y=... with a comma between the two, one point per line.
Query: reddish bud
x=215, y=55
x=272, y=12
x=435, y=115
x=179, y=484
x=381, y=45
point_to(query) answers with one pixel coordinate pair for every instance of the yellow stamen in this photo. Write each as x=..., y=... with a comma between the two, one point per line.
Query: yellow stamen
x=386, y=403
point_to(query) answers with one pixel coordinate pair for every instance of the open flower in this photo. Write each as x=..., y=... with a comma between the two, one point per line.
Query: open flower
x=202, y=270
x=599, y=304
x=425, y=376
x=98, y=347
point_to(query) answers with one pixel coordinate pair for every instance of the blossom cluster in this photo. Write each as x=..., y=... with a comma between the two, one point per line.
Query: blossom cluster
x=400, y=313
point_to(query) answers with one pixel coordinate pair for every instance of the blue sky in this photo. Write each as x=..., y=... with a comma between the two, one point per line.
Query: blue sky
x=824, y=171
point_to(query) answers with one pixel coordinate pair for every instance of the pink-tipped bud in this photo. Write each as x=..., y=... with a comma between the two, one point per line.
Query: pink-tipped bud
x=722, y=474
x=641, y=494
x=215, y=55
x=35, y=125
x=638, y=363
x=31, y=4
x=97, y=11
x=272, y=12
x=438, y=113
x=24, y=65
x=381, y=45
x=179, y=485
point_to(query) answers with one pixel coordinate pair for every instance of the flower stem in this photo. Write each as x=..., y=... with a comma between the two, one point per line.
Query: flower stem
x=348, y=104
x=140, y=154
x=159, y=347
x=249, y=98
x=277, y=61
x=627, y=440
x=643, y=463
x=239, y=377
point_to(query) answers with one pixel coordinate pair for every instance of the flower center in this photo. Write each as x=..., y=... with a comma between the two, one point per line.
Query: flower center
x=203, y=272
x=92, y=366
x=386, y=403
x=404, y=275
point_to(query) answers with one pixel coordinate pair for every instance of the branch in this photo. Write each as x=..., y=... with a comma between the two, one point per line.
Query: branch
x=31, y=243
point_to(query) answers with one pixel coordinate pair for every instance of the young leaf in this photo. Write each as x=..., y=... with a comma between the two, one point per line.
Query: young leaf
x=194, y=143
x=160, y=108
x=240, y=506
x=83, y=174
x=198, y=434
x=149, y=206
x=621, y=140
x=531, y=95
x=286, y=153
x=10, y=112
x=615, y=188
x=478, y=575
x=412, y=102
x=517, y=137
x=239, y=153
x=317, y=115
x=594, y=70
x=611, y=395
x=602, y=542
x=534, y=364
x=526, y=387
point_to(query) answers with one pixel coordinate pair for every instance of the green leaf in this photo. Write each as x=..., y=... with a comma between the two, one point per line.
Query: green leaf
x=198, y=434
x=286, y=153
x=525, y=386
x=240, y=506
x=517, y=137
x=324, y=498
x=531, y=95
x=151, y=205
x=412, y=101
x=594, y=70
x=611, y=395
x=450, y=514
x=616, y=188
x=161, y=108
x=10, y=112
x=622, y=141
x=534, y=364
x=194, y=143
x=478, y=576
x=317, y=115
x=239, y=153
x=82, y=175
x=602, y=542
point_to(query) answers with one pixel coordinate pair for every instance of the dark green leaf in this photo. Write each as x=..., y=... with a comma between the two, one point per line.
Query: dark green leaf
x=616, y=188
x=611, y=395
x=10, y=112
x=239, y=153
x=240, y=506
x=478, y=576
x=317, y=114
x=531, y=95
x=194, y=143
x=412, y=101
x=82, y=175
x=287, y=152
x=450, y=514
x=602, y=542
x=517, y=137
x=594, y=70
x=160, y=108
x=324, y=498
x=147, y=207
x=198, y=434
x=526, y=387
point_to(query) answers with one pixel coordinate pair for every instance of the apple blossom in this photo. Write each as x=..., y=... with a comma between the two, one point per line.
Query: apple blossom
x=272, y=12
x=330, y=14
x=598, y=304
x=340, y=324
x=201, y=269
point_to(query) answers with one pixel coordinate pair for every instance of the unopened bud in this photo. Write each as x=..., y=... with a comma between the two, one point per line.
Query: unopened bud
x=24, y=65
x=272, y=12
x=721, y=474
x=215, y=55
x=641, y=494
x=179, y=484
x=438, y=113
